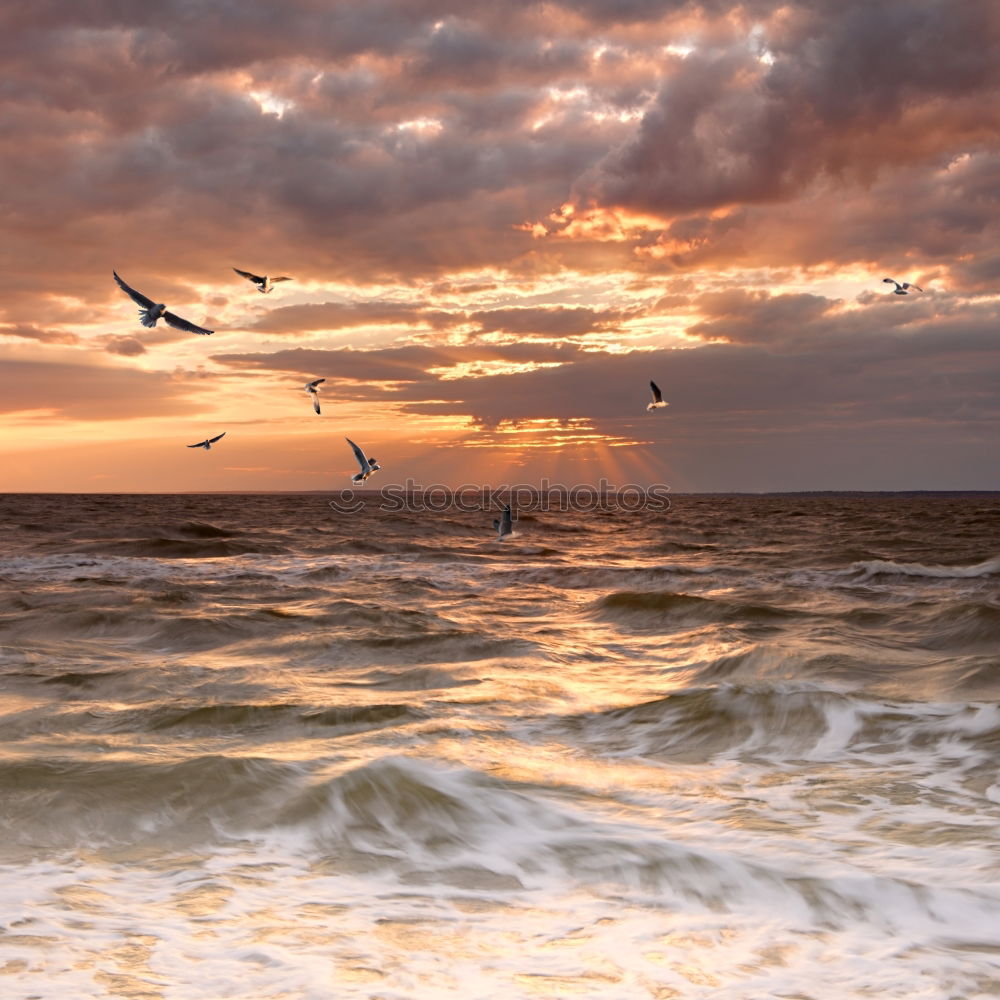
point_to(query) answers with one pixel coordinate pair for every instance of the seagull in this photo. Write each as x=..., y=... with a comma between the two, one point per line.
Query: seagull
x=150, y=311
x=657, y=397
x=207, y=445
x=310, y=387
x=503, y=524
x=368, y=465
x=264, y=284
x=900, y=289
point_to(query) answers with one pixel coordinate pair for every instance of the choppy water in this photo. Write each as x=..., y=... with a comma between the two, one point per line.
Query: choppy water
x=747, y=748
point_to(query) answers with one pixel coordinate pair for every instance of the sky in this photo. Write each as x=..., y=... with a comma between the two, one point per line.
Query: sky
x=501, y=220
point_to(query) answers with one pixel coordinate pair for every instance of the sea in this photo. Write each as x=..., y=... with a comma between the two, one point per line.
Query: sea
x=260, y=746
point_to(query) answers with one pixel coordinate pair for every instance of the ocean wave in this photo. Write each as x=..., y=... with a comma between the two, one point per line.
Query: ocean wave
x=447, y=825
x=667, y=608
x=779, y=661
x=192, y=529
x=793, y=722
x=60, y=803
x=414, y=679
x=76, y=567
x=961, y=624
x=177, y=540
x=151, y=630
x=279, y=570
x=602, y=575
x=866, y=569
x=428, y=824
x=76, y=679
x=220, y=718
x=180, y=548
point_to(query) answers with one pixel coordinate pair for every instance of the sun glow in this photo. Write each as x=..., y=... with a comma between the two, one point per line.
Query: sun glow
x=271, y=104
x=547, y=433
x=612, y=225
x=420, y=125
x=485, y=369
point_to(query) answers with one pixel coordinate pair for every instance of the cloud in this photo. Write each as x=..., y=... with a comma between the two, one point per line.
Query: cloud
x=27, y=331
x=793, y=361
x=392, y=364
x=542, y=321
x=831, y=99
x=416, y=140
x=757, y=317
x=150, y=139
x=127, y=347
x=90, y=392
x=298, y=319
x=486, y=189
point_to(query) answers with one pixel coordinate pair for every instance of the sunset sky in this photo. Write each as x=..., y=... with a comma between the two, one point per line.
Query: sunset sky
x=502, y=220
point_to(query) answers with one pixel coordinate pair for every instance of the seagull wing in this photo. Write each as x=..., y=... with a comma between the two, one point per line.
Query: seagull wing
x=316, y=403
x=315, y=382
x=137, y=297
x=255, y=278
x=657, y=395
x=505, y=521
x=891, y=281
x=216, y=438
x=359, y=455
x=183, y=324
x=200, y=444
x=273, y=280
x=917, y=287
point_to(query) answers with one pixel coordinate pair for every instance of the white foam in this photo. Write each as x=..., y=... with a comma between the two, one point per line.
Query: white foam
x=868, y=568
x=604, y=904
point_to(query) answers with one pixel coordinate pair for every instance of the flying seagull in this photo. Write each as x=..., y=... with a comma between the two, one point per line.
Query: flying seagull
x=207, y=444
x=900, y=289
x=657, y=397
x=150, y=311
x=310, y=387
x=368, y=465
x=264, y=284
x=503, y=524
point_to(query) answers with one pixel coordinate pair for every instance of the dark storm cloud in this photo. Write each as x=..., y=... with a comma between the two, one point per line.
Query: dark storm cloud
x=468, y=55
x=147, y=139
x=148, y=128
x=185, y=37
x=950, y=372
x=944, y=214
x=848, y=90
x=814, y=365
x=211, y=178
x=758, y=317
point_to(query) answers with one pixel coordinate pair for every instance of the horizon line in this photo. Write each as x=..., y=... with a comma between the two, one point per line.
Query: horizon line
x=495, y=489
